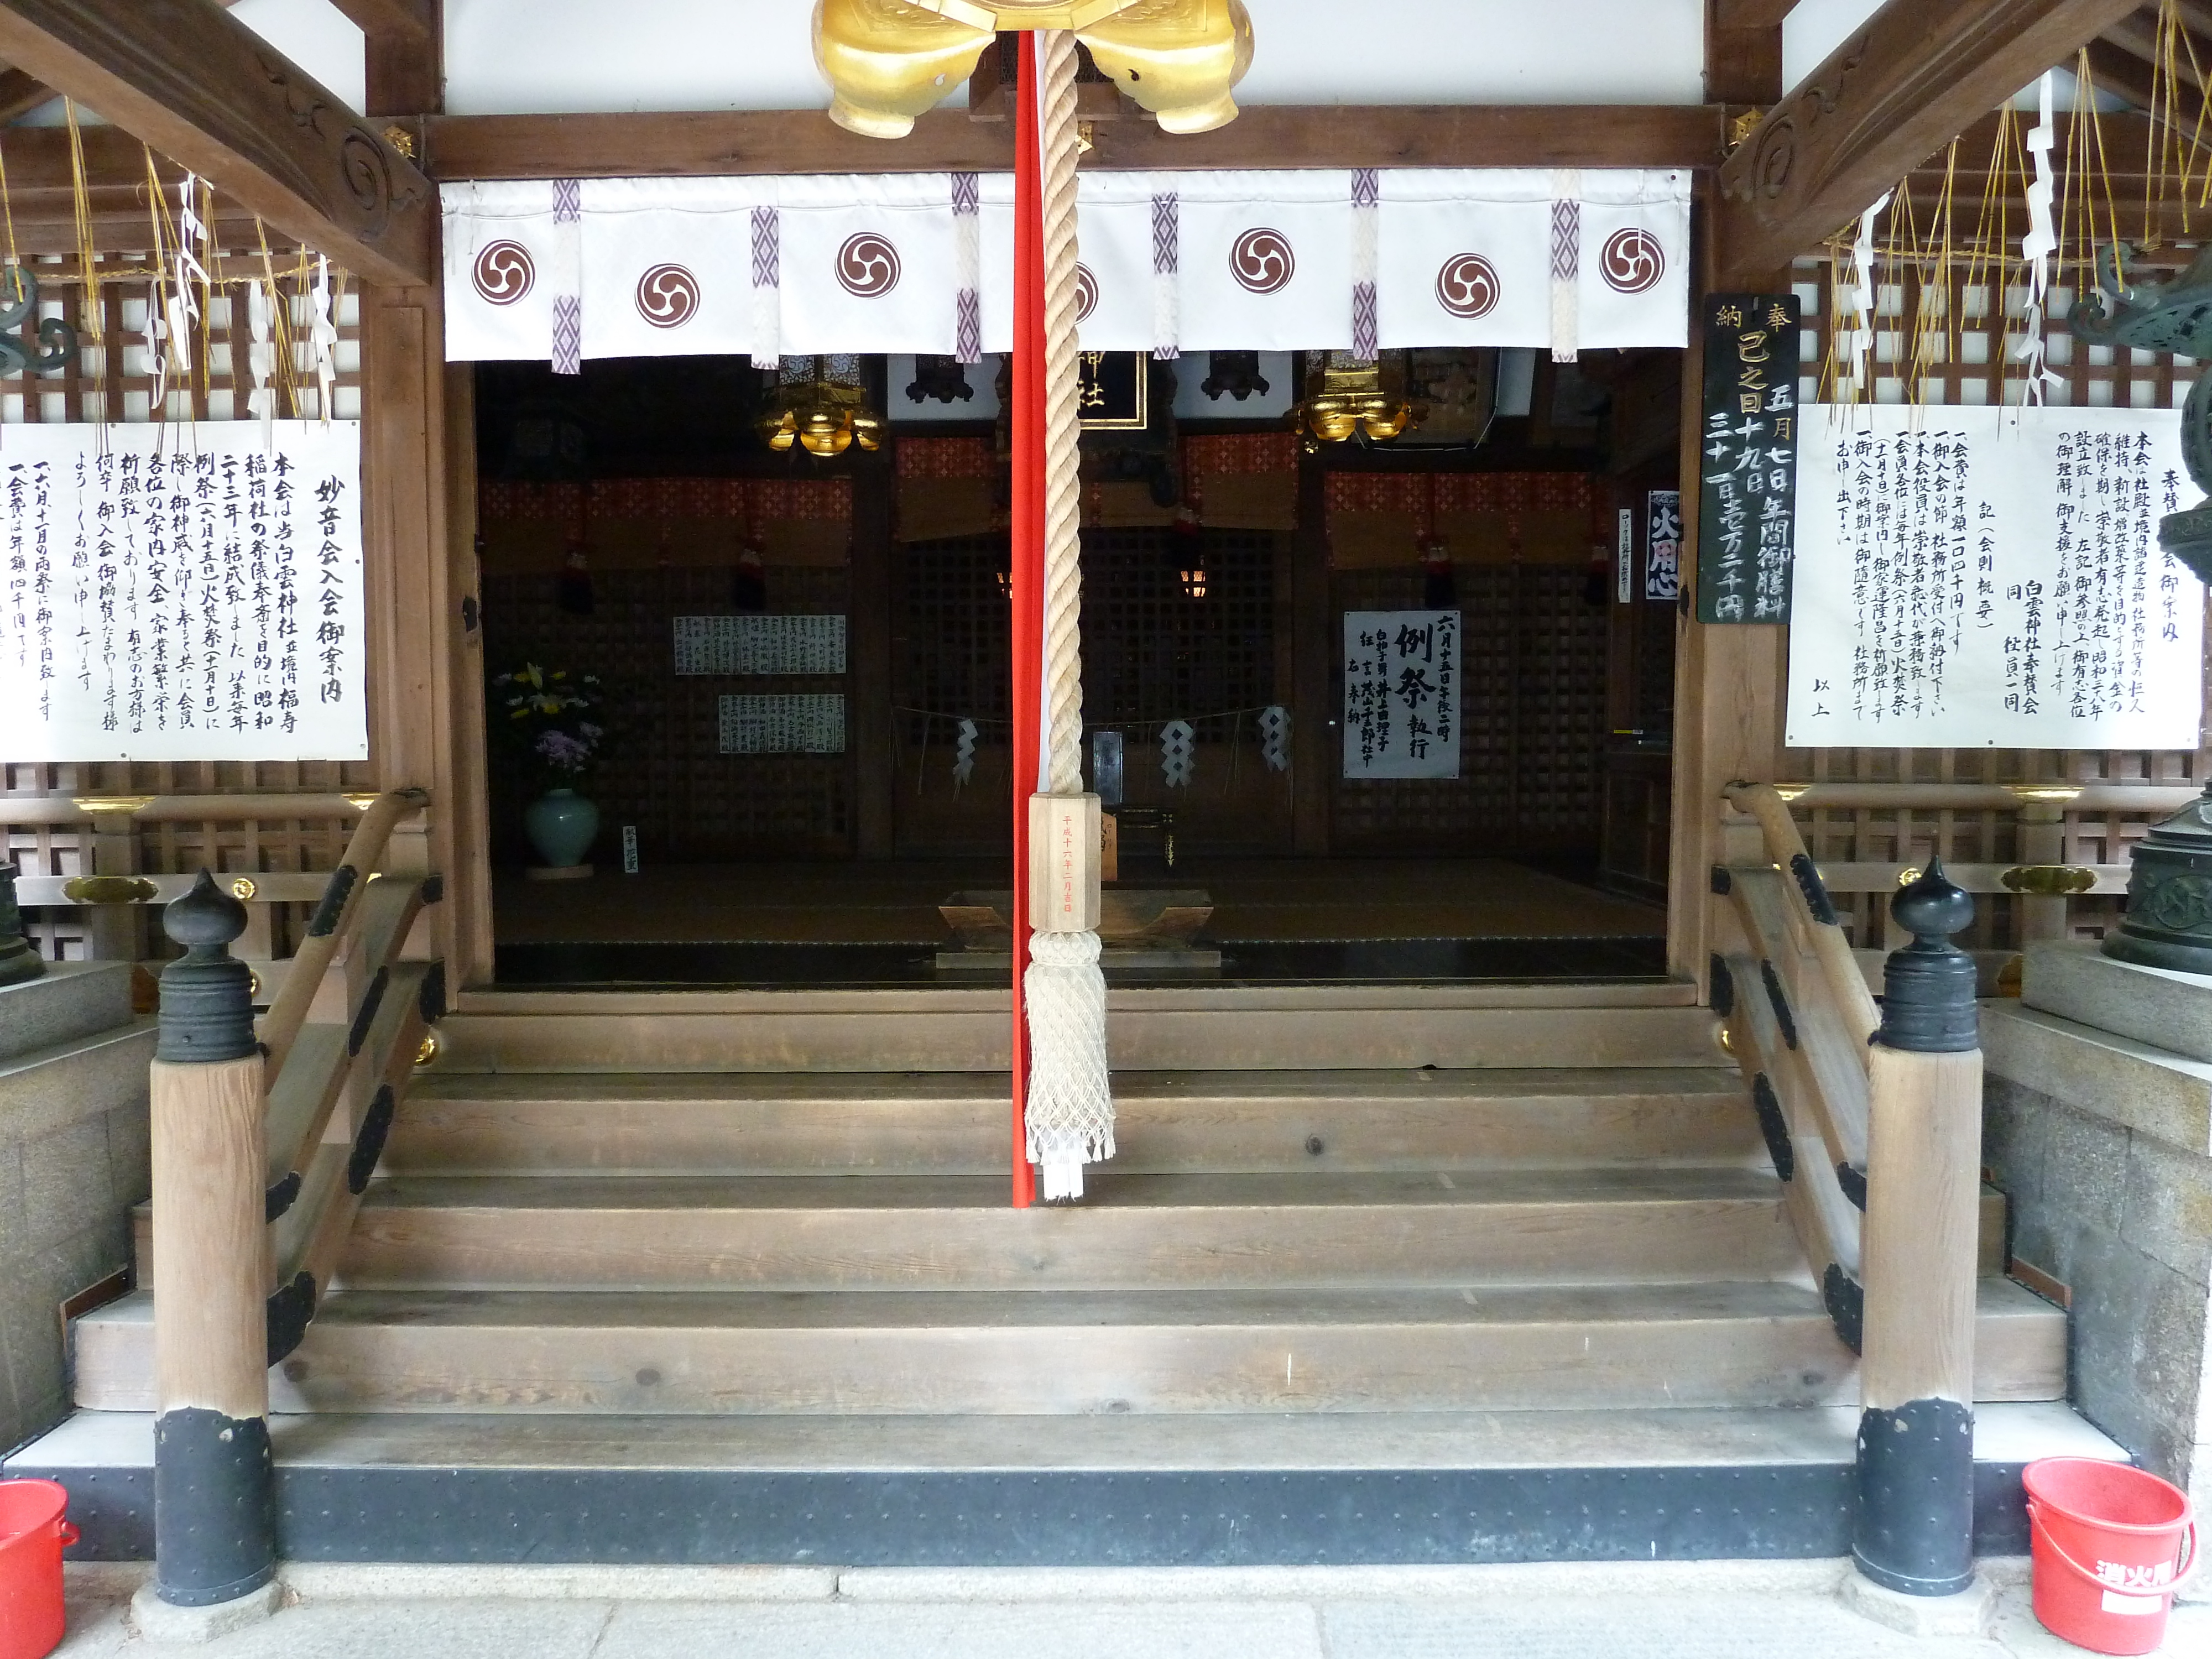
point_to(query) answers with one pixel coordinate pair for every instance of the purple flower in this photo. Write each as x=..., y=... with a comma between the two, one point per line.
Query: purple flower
x=562, y=751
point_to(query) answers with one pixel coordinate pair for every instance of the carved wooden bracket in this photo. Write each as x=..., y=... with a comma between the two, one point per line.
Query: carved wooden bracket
x=205, y=90
x=1900, y=88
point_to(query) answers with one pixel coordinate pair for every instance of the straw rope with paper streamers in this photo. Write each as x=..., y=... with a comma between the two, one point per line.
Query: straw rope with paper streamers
x=2037, y=246
x=1177, y=758
x=1275, y=737
x=964, y=754
x=1069, y=1111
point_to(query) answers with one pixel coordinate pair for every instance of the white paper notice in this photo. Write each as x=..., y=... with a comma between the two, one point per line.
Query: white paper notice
x=758, y=644
x=1401, y=693
x=782, y=725
x=1971, y=576
x=178, y=592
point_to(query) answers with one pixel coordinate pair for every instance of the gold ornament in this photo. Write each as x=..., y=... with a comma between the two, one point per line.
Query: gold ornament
x=243, y=887
x=1177, y=58
x=1346, y=399
x=820, y=406
x=887, y=61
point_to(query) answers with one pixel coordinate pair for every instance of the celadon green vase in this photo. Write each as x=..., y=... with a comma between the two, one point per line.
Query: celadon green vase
x=562, y=826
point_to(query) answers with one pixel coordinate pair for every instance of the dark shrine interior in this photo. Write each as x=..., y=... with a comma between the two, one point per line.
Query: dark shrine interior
x=1220, y=555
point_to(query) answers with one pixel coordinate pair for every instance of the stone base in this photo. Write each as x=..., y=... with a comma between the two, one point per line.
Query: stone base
x=160, y=1621
x=1967, y=1613
x=2152, y=1002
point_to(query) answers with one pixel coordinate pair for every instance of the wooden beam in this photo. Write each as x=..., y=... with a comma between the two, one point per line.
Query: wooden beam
x=1907, y=80
x=408, y=19
x=206, y=91
x=1743, y=54
x=406, y=71
x=1751, y=13
x=1271, y=136
x=21, y=94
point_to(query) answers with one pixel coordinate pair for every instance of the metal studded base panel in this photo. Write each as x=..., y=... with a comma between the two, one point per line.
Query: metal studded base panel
x=1057, y=1518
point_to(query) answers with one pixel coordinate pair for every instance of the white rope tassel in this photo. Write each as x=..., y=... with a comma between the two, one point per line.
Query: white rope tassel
x=1071, y=1105
x=1071, y=1108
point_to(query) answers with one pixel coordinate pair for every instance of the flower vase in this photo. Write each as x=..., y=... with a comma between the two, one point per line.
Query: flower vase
x=561, y=825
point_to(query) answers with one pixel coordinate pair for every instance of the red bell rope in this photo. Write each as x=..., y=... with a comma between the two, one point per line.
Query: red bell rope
x=1027, y=563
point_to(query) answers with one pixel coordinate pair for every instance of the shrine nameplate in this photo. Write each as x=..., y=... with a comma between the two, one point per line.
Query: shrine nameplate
x=182, y=591
x=1747, y=461
x=1979, y=576
x=1112, y=390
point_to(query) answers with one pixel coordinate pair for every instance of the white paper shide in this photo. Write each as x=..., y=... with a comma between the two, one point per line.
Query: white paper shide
x=1993, y=577
x=1402, y=690
x=181, y=592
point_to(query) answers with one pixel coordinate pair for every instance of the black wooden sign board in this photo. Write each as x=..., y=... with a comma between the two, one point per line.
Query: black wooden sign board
x=1747, y=470
x=1111, y=390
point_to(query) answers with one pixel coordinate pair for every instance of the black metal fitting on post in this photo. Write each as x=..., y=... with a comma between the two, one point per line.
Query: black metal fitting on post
x=214, y=1477
x=1914, y=1533
x=1928, y=988
x=207, y=996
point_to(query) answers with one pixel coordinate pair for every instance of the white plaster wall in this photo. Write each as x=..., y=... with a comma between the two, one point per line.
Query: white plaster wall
x=317, y=37
x=1814, y=29
x=514, y=56
x=313, y=34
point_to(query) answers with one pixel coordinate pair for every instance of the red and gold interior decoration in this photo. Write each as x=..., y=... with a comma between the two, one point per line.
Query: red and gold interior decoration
x=1380, y=521
x=641, y=524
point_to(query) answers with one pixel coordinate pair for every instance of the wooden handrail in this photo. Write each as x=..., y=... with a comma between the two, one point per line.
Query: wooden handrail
x=1848, y=793
x=1846, y=985
x=280, y=1026
x=264, y=806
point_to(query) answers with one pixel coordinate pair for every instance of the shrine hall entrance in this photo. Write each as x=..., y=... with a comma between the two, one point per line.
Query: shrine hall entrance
x=796, y=670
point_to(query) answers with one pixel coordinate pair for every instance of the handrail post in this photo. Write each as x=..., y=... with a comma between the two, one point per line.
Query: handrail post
x=213, y=1479
x=1916, y=1444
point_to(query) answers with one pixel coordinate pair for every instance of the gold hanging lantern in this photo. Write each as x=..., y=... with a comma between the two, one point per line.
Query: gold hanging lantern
x=887, y=61
x=820, y=405
x=1346, y=399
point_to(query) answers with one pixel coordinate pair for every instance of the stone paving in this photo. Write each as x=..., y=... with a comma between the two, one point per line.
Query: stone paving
x=1662, y=1610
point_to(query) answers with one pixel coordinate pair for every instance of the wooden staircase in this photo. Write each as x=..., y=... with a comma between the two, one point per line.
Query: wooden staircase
x=1398, y=1246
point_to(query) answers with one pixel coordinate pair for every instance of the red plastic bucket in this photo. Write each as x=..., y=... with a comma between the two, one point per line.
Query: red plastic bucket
x=32, y=1535
x=2111, y=1545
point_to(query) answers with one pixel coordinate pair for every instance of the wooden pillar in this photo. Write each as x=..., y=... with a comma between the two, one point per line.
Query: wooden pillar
x=1314, y=736
x=464, y=804
x=868, y=645
x=2042, y=840
x=1730, y=681
x=213, y=1480
x=425, y=723
x=1915, y=1530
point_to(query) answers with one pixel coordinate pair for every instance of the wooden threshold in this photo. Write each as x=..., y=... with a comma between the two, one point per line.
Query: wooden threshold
x=1179, y=999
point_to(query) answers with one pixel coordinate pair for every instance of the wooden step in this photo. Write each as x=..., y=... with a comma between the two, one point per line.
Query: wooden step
x=991, y=1352
x=955, y=1122
x=1311, y=1228
x=1222, y=1029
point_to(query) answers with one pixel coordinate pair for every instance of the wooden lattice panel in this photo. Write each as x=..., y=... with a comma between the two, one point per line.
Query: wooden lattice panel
x=1151, y=653
x=661, y=770
x=113, y=377
x=1960, y=362
x=1532, y=719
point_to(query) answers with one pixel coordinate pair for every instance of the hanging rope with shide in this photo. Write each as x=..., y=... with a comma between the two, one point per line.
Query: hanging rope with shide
x=1069, y=1109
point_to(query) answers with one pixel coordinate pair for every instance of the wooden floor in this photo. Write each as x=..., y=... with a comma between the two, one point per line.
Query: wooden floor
x=1305, y=900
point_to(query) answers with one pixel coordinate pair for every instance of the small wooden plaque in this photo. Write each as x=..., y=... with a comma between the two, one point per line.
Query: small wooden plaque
x=1065, y=848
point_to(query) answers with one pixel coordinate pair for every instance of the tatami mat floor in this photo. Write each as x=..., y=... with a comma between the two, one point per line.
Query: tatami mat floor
x=1322, y=900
